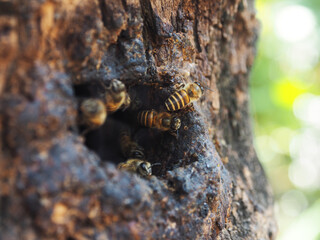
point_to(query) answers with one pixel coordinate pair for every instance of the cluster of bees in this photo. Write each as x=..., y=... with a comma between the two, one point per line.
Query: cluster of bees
x=93, y=113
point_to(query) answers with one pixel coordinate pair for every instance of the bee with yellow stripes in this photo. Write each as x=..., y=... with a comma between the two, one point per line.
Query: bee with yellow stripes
x=181, y=98
x=116, y=96
x=141, y=167
x=163, y=121
x=92, y=113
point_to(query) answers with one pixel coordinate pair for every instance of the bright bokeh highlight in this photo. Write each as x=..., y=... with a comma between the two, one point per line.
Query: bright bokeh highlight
x=294, y=23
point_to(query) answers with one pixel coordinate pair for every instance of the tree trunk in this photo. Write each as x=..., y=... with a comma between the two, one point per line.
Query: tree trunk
x=57, y=184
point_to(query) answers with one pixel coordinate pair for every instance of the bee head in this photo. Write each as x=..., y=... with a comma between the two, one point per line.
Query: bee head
x=200, y=86
x=195, y=90
x=175, y=123
x=116, y=86
x=144, y=169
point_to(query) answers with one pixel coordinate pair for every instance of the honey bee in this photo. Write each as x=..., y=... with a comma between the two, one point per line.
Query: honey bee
x=93, y=113
x=141, y=167
x=129, y=148
x=163, y=121
x=181, y=98
x=116, y=96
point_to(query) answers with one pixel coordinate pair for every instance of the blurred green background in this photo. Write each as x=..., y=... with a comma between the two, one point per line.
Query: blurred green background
x=285, y=102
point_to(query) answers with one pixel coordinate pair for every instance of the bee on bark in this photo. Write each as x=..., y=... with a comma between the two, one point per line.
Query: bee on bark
x=183, y=97
x=129, y=148
x=163, y=121
x=92, y=114
x=141, y=167
x=116, y=96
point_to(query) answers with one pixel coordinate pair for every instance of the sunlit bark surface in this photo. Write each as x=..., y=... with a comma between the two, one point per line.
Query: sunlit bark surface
x=57, y=184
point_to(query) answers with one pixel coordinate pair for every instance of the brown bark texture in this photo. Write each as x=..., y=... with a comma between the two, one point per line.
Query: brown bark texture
x=57, y=184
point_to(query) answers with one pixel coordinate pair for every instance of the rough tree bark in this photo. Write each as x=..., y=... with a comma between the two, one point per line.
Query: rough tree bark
x=56, y=184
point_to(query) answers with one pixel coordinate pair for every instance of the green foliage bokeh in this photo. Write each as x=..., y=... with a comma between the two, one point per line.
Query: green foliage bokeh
x=285, y=103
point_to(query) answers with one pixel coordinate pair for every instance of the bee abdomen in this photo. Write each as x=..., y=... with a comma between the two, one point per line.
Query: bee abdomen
x=146, y=118
x=177, y=100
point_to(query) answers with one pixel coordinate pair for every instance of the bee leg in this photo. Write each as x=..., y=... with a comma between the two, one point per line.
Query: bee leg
x=174, y=133
x=126, y=103
x=179, y=86
x=85, y=132
x=124, y=107
x=190, y=108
